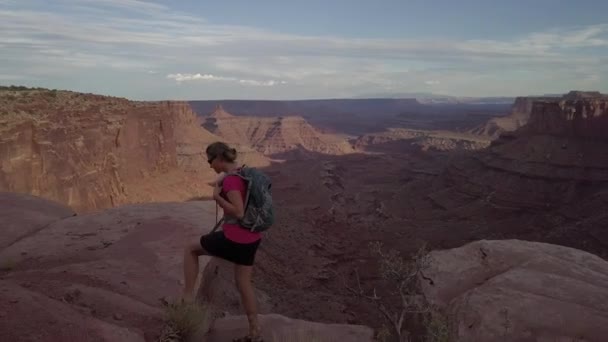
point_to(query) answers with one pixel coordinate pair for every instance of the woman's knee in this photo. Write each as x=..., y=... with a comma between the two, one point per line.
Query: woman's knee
x=195, y=249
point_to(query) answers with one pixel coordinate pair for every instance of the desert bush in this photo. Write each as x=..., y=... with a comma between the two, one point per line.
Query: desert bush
x=183, y=321
x=402, y=279
x=437, y=326
x=19, y=88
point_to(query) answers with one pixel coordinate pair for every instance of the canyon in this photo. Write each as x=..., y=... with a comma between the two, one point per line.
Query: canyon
x=344, y=175
x=92, y=152
x=273, y=135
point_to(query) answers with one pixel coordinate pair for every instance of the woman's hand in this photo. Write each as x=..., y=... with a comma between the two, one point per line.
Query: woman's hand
x=217, y=190
x=217, y=181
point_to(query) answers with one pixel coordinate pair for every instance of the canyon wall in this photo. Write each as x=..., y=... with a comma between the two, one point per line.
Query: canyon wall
x=86, y=150
x=274, y=135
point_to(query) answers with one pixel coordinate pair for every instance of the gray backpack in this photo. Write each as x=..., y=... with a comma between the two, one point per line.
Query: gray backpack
x=259, y=210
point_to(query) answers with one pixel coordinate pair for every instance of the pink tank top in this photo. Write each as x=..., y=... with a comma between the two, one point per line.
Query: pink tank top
x=235, y=232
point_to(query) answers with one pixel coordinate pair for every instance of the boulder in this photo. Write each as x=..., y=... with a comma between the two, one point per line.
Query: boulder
x=105, y=276
x=97, y=277
x=512, y=290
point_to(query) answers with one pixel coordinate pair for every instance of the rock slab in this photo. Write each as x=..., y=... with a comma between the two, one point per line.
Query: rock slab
x=513, y=290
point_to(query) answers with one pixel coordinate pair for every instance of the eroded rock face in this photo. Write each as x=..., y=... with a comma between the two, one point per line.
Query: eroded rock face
x=104, y=276
x=192, y=140
x=514, y=290
x=577, y=114
x=90, y=151
x=99, y=275
x=556, y=160
x=274, y=135
x=520, y=114
x=425, y=140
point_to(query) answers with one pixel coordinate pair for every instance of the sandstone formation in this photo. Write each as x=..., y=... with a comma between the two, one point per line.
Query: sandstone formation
x=24, y=214
x=354, y=117
x=96, y=276
x=104, y=276
x=556, y=159
x=520, y=113
x=192, y=140
x=273, y=135
x=543, y=184
x=433, y=140
x=515, y=290
x=576, y=103
x=576, y=114
x=545, y=181
x=90, y=151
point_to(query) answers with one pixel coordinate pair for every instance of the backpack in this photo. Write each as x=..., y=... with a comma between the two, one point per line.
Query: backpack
x=259, y=210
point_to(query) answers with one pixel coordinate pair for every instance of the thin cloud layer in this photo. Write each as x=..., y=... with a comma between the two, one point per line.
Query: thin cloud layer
x=208, y=77
x=102, y=40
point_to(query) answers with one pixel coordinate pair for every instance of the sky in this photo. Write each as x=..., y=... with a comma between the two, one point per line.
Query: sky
x=198, y=49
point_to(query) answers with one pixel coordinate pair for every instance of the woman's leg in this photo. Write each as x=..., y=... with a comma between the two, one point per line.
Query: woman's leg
x=243, y=275
x=191, y=254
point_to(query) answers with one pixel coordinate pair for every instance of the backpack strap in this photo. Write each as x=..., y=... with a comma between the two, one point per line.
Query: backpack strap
x=233, y=219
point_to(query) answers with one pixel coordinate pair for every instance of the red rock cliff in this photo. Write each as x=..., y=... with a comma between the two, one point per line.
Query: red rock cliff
x=577, y=114
x=85, y=150
x=520, y=114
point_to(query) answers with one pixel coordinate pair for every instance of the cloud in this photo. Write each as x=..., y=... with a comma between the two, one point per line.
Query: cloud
x=431, y=82
x=194, y=77
x=209, y=77
x=137, y=5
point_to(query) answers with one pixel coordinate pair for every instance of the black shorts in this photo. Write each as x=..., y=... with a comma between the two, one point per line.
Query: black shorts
x=216, y=244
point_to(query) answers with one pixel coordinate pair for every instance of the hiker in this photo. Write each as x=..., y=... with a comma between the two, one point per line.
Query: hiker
x=233, y=242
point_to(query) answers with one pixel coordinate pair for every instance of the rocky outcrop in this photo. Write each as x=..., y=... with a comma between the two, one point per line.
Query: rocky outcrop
x=425, y=140
x=95, y=276
x=90, y=151
x=570, y=114
x=520, y=114
x=104, y=276
x=273, y=135
x=24, y=214
x=557, y=158
x=515, y=290
x=577, y=114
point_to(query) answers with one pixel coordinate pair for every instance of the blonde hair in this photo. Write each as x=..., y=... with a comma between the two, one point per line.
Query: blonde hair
x=220, y=149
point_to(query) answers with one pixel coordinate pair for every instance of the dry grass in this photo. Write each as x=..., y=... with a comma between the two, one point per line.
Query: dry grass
x=184, y=321
x=437, y=327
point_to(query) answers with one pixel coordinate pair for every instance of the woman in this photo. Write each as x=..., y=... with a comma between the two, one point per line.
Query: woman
x=233, y=243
